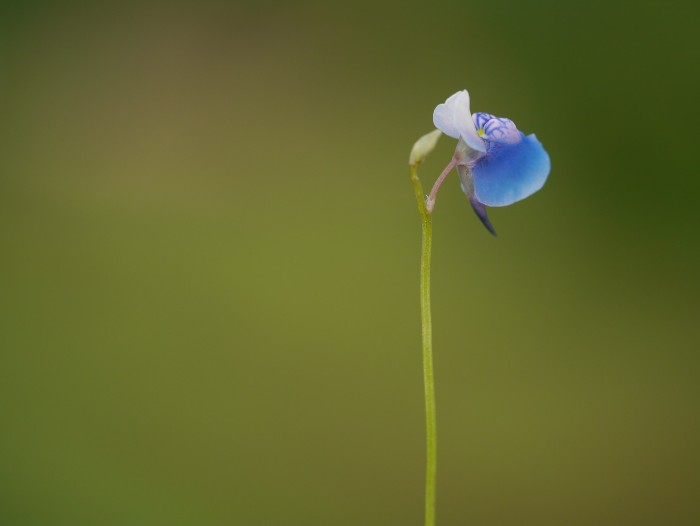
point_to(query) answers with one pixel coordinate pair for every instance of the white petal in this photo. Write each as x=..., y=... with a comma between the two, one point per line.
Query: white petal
x=453, y=118
x=446, y=115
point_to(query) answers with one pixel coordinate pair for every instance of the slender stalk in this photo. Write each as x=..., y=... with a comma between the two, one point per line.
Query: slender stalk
x=430, y=202
x=427, y=332
x=428, y=376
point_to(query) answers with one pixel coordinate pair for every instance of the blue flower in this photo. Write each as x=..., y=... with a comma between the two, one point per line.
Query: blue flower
x=497, y=164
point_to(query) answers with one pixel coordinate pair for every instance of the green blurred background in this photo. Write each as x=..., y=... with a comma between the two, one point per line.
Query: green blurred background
x=209, y=256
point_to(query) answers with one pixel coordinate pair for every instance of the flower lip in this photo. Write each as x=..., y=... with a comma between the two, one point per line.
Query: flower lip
x=510, y=172
x=454, y=119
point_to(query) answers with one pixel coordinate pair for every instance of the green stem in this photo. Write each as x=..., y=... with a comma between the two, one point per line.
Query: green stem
x=428, y=377
x=427, y=331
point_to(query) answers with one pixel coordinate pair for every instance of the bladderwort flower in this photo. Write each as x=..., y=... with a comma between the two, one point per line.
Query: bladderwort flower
x=497, y=164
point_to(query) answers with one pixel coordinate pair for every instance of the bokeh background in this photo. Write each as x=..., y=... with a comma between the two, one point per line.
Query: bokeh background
x=209, y=255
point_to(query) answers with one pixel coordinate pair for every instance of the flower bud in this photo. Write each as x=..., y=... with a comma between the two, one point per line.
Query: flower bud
x=423, y=147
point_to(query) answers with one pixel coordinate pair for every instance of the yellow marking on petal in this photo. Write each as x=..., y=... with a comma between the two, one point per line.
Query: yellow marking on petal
x=481, y=132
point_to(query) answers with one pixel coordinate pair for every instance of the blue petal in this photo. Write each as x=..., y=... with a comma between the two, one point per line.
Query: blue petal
x=510, y=172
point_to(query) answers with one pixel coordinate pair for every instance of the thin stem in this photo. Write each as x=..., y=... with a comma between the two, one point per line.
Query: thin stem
x=428, y=377
x=418, y=189
x=427, y=332
x=430, y=203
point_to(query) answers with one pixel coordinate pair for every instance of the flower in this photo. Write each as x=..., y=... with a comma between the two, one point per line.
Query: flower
x=497, y=164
